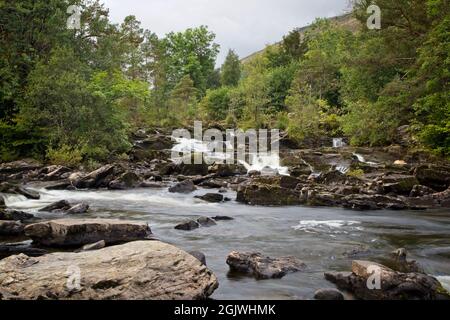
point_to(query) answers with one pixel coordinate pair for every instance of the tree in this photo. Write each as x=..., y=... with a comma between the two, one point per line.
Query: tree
x=183, y=99
x=231, y=69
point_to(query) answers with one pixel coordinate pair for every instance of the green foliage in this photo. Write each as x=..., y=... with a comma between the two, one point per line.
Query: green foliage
x=65, y=155
x=231, y=70
x=216, y=104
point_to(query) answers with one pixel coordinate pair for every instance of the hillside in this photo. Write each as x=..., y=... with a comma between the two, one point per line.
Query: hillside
x=347, y=21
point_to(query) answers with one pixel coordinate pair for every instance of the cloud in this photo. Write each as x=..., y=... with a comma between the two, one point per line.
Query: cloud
x=243, y=25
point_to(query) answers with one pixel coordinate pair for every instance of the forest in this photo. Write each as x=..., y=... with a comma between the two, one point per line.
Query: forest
x=74, y=96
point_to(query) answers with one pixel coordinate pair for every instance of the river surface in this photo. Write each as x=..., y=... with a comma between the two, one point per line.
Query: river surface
x=326, y=239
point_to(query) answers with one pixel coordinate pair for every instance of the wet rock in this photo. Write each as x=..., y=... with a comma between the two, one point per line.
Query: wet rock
x=78, y=208
x=222, y=218
x=61, y=185
x=2, y=201
x=420, y=191
x=6, y=187
x=15, y=215
x=11, y=228
x=399, y=184
x=332, y=177
x=399, y=262
x=155, y=142
x=11, y=249
x=206, y=222
x=125, y=181
x=328, y=294
x=263, y=267
x=200, y=256
x=393, y=285
x=211, y=197
x=55, y=173
x=94, y=246
x=78, y=232
x=151, y=185
x=95, y=179
x=61, y=205
x=142, y=270
x=213, y=184
x=19, y=166
x=434, y=177
x=373, y=202
x=186, y=186
x=188, y=225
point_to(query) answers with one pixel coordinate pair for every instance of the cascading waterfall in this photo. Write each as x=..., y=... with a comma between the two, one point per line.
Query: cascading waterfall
x=363, y=160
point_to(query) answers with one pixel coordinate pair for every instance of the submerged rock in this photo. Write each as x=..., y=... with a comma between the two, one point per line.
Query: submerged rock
x=211, y=197
x=362, y=282
x=222, y=218
x=328, y=294
x=263, y=267
x=186, y=186
x=206, y=222
x=142, y=270
x=188, y=225
x=79, y=232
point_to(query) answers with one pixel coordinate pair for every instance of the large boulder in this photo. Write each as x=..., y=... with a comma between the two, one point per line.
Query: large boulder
x=96, y=179
x=269, y=191
x=127, y=180
x=432, y=176
x=186, y=186
x=6, y=187
x=79, y=232
x=142, y=270
x=365, y=277
x=262, y=267
x=211, y=197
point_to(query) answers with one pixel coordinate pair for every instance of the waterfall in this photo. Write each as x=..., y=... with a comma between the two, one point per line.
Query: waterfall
x=363, y=160
x=338, y=143
x=267, y=164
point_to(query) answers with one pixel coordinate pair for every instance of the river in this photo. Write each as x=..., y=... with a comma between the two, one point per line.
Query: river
x=326, y=239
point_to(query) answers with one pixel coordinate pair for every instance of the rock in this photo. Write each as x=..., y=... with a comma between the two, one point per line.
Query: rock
x=186, y=186
x=192, y=169
x=263, y=267
x=14, y=215
x=142, y=270
x=26, y=248
x=222, y=218
x=420, y=191
x=268, y=191
x=6, y=187
x=156, y=142
x=10, y=228
x=61, y=205
x=434, y=177
x=400, y=163
x=328, y=294
x=332, y=177
x=126, y=181
x=78, y=232
x=94, y=246
x=399, y=184
x=19, y=166
x=2, y=201
x=211, y=197
x=393, y=285
x=78, y=208
x=56, y=173
x=95, y=179
x=373, y=202
x=398, y=261
x=206, y=222
x=188, y=225
x=200, y=256
x=62, y=185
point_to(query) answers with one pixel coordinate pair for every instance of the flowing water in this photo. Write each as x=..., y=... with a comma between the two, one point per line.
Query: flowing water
x=326, y=239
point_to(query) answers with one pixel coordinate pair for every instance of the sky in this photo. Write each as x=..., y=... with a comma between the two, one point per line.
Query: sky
x=245, y=26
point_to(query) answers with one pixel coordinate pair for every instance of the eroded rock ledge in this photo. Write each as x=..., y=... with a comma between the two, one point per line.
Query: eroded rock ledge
x=136, y=270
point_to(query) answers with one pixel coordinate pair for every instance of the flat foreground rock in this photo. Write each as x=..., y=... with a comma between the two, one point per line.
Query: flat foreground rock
x=79, y=232
x=133, y=271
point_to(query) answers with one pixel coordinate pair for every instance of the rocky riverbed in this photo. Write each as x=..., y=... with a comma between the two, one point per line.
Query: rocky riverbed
x=264, y=235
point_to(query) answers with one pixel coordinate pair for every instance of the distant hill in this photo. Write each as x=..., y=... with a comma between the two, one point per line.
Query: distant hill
x=347, y=21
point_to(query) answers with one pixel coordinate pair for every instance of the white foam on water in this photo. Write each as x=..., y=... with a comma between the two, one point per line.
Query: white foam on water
x=363, y=160
x=266, y=163
x=338, y=143
x=327, y=226
x=445, y=281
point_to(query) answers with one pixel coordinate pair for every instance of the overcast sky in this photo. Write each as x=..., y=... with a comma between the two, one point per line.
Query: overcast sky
x=243, y=25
